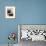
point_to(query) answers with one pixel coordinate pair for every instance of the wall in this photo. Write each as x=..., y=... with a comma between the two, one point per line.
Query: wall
x=33, y=27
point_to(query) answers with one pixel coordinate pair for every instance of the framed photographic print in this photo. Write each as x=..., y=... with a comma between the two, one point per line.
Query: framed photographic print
x=10, y=12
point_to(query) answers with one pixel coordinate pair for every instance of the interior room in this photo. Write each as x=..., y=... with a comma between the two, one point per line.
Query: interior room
x=31, y=14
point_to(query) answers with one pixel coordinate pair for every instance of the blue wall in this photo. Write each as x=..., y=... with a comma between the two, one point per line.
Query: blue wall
x=27, y=12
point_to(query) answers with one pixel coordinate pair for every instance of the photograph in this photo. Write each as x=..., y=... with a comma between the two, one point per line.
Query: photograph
x=10, y=12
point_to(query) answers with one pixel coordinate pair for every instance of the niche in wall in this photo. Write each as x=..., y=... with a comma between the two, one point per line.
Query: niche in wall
x=32, y=32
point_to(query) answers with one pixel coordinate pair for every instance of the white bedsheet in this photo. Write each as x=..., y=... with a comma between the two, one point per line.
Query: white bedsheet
x=37, y=37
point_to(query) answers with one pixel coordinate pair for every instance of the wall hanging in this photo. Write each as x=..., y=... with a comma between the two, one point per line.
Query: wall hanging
x=10, y=12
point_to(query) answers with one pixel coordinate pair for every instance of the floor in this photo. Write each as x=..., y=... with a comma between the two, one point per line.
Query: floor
x=7, y=45
x=30, y=43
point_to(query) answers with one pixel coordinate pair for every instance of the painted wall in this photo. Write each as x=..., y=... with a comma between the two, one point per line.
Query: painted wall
x=27, y=12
